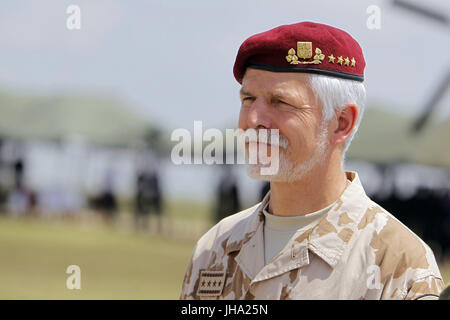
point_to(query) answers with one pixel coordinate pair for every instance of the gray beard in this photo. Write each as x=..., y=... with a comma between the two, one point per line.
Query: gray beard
x=289, y=171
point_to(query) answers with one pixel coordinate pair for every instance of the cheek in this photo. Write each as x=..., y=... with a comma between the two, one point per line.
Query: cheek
x=301, y=137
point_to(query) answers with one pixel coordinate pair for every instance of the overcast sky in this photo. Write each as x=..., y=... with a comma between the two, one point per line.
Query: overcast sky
x=172, y=60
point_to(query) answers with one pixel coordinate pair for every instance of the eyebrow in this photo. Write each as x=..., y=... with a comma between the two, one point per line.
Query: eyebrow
x=244, y=92
x=279, y=96
x=273, y=96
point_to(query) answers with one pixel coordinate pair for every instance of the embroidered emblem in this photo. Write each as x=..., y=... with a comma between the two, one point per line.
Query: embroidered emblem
x=304, y=51
x=211, y=283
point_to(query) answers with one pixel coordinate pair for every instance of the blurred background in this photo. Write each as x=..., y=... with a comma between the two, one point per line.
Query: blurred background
x=86, y=117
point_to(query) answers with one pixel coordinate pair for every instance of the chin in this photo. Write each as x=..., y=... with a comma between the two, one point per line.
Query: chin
x=283, y=174
x=288, y=170
x=254, y=172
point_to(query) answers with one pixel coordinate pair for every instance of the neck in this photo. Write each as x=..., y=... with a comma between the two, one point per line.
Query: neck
x=316, y=190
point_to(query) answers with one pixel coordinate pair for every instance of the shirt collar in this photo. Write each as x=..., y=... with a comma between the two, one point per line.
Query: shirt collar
x=329, y=237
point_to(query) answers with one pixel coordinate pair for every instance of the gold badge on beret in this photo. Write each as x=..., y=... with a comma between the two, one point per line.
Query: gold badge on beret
x=304, y=51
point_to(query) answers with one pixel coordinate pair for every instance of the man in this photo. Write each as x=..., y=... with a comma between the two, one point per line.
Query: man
x=227, y=194
x=315, y=235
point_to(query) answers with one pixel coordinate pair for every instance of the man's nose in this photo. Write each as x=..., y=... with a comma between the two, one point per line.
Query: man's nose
x=259, y=115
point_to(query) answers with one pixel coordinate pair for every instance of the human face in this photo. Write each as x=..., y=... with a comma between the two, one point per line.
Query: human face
x=284, y=101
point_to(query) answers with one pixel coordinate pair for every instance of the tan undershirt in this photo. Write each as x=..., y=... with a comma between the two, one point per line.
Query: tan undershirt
x=279, y=230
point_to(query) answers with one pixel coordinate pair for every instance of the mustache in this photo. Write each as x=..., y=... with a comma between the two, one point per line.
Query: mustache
x=266, y=137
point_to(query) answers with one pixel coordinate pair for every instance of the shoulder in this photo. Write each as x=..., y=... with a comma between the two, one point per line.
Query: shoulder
x=228, y=234
x=398, y=250
x=235, y=224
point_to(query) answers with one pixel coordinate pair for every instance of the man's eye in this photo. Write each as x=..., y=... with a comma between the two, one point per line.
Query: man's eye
x=282, y=102
x=248, y=99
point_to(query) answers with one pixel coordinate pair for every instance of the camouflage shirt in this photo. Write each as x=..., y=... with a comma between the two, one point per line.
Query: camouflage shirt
x=357, y=250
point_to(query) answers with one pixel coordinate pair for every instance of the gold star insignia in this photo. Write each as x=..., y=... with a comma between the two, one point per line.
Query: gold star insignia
x=340, y=60
x=353, y=62
x=347, y=61
x=331, y=58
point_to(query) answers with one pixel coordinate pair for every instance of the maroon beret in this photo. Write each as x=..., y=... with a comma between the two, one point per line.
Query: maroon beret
x=302, y=47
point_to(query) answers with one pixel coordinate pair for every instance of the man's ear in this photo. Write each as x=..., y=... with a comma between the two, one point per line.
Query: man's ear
x=346, y=121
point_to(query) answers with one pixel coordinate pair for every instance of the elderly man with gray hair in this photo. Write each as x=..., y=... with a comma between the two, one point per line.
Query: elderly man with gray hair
x=316, y=234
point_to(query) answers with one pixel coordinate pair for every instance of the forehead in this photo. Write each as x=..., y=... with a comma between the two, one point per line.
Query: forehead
x=268, y=82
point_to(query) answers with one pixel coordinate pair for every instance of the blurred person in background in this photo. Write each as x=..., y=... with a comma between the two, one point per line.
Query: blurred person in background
x=22, y=201
x=227, y=194
x=147, y=200
x=316, y=234
x=106, y=202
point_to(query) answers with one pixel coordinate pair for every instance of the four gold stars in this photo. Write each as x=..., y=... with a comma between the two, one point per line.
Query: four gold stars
x=342, y=61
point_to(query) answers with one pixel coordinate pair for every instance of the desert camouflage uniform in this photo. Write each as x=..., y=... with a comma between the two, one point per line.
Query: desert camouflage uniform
x=358, y=250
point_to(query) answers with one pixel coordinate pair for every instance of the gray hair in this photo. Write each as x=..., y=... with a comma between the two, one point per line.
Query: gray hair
x=335, y=93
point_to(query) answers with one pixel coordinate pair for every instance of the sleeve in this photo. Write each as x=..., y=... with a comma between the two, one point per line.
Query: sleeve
x=201, y=258
x=187, y=286
x=428, y=288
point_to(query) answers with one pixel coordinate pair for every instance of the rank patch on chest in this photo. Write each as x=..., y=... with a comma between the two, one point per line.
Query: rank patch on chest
x=211, y=283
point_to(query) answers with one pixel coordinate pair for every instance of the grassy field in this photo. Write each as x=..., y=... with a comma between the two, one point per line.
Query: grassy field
x=34, y=256
x=115, y=262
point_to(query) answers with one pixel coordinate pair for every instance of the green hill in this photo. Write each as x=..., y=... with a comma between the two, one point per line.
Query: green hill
x=97, y=119
x=385, y=137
